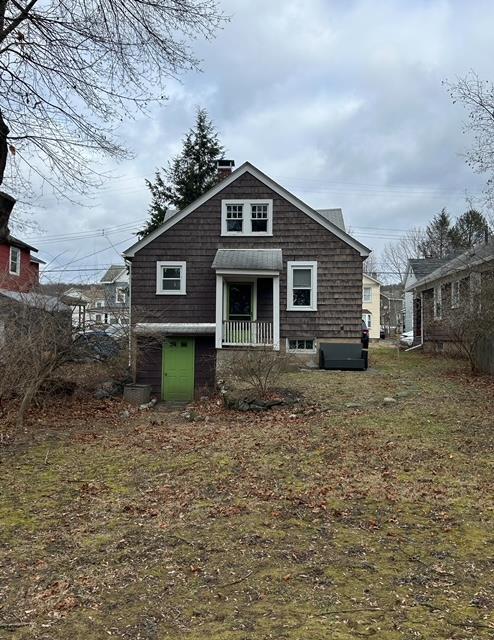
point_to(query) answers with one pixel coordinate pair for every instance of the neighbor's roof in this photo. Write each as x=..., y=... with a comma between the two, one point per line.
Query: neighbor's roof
x=36, y=300
x=421, y=267
x=17, y=243
x=113, y=272
x=251, y=259
x=335, y=216
x=247, y=167
x=474, y=257
x=36, y=260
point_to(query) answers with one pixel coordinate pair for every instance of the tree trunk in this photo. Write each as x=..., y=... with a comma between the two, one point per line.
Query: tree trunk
x=6, y=205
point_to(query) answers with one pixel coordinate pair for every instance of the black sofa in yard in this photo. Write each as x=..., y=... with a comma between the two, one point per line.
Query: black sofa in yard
x=343, y=356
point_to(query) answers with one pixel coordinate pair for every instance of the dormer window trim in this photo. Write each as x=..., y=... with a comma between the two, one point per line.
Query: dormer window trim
x=16, y=261
x=239, y=217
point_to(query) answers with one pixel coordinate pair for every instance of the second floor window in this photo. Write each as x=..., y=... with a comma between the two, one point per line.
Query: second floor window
x=367, y=294
x=247, y=218
x=15, y=261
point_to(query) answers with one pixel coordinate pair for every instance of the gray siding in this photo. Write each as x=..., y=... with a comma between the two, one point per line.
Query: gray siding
x=196, y=238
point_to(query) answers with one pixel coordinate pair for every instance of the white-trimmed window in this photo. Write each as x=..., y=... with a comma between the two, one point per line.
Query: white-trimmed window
x=302, y=286
x=301, y=345
x=367, y=318
x=99, y=304
x=98, y=317
x=15, y=261
x=120, y=295
x=455, y=294
x=438, y=302
x=367, y=296
x=246, y=217
x=170, y=278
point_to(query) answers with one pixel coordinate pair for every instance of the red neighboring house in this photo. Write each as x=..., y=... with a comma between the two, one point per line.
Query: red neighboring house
x=19, y=269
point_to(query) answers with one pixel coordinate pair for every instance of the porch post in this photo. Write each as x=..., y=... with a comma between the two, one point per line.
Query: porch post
x=219, y=312
x=276, y=313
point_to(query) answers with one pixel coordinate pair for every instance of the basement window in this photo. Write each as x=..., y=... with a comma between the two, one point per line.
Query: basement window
x=301, y=346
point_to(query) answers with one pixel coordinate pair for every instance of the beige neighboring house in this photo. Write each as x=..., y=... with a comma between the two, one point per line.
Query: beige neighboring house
x=371, y=305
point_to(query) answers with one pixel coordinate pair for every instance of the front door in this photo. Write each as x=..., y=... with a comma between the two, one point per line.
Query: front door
x=178, y=369
x=240, y=301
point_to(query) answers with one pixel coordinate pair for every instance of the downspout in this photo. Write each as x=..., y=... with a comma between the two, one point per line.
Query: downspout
x=128, y=263
x=419, y=346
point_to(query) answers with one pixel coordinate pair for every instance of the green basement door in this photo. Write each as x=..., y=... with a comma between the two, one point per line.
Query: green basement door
x=178, y=369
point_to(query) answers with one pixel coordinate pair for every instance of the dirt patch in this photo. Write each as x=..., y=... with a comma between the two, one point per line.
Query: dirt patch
x=330, y=521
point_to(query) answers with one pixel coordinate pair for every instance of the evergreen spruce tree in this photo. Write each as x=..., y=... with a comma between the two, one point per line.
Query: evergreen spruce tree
x=437, y=242
x=188, y=175
x=470, y=229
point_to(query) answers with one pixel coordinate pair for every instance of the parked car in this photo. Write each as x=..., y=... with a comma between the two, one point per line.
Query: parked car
x=365, y=336
x=95, y=345
x=406, y=339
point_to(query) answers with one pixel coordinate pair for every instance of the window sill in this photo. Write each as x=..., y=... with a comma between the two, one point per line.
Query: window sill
x=241, y=234
x=301, y=308
x=171, y=293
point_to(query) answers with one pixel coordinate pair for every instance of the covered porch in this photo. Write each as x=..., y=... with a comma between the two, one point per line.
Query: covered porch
x=248, y=297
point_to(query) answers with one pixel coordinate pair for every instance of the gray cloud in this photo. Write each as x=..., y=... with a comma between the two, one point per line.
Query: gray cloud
x=341, y=102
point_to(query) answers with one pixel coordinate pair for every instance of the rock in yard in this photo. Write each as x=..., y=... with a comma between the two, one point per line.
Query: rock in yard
x=389, y=400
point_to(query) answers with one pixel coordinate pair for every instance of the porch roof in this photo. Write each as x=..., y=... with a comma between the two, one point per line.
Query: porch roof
x=249, y=259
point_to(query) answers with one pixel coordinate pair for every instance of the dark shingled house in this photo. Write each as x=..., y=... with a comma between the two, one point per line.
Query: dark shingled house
x=246, y=265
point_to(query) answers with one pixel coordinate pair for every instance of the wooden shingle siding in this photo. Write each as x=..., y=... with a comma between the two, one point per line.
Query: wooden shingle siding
x=148, y=361
x=196, y=238
x=205, y=365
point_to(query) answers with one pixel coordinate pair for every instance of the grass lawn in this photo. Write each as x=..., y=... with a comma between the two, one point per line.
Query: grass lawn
x=328, y=521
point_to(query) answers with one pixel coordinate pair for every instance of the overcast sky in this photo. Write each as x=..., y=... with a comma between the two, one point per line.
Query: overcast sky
x=340, y=101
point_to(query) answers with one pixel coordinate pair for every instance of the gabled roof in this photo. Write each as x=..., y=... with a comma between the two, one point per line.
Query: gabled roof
x=254, y=259
x=469, y=259
x=247, y=167
x=113, y=273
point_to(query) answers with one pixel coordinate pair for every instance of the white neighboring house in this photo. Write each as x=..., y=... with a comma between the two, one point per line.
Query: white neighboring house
x=417, y=269
x=371, y=305
x=106, y=302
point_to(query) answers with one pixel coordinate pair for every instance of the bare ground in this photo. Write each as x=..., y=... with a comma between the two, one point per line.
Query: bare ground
x=343, y=518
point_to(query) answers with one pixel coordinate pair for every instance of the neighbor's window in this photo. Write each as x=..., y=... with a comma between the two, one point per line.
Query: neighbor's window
x=367, y=318
x=99, y=304
x=98, y=317
x=15, y=261
x=438, y=303
x=302, y=286
x=170, y=278
x=120, y=295
x=247, y=217
x=301, y=345
x=455, y=294
x=367, y=294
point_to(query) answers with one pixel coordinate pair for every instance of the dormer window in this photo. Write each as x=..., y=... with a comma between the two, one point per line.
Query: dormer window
x=247, y=218
x=15, y=261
